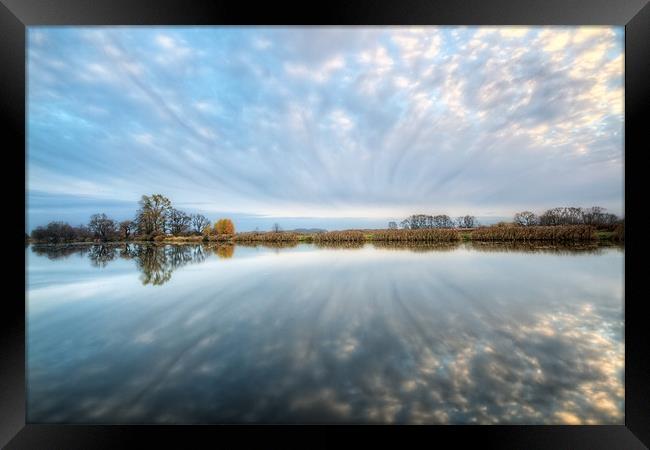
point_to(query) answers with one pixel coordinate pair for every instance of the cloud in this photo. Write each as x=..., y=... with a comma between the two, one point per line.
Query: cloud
x=307, y=122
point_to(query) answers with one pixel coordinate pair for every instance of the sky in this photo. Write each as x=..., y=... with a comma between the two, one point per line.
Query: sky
x=328, y=127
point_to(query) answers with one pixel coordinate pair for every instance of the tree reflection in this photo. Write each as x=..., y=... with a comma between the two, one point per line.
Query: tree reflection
x=262, y=244
x=54, y=251
x=499, y=247
x=158, y=262
x=224, y=251
x=340, y=245
x=417, y=246
x=154, y=265
x=101, y=255
x=155, y=262
x=540, y=247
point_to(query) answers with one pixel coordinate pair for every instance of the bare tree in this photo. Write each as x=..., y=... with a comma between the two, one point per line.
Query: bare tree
x=126, y=228
x=418, y=221
x=101, y=226
x=178, y=222
x=442, y=221
x=54, y=232
x=526, y=219
x=551, y=217
x=572, y=215
x=276, y=228
x=392, y=225
x=466, y=221
x=199, y=222
x=598, y=217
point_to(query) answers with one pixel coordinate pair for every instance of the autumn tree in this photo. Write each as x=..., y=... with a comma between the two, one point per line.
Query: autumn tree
x=102, y=226
x=152, y=215
x=224, y=226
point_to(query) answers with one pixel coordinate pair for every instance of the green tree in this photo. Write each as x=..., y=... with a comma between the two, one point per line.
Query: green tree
x=152, y=215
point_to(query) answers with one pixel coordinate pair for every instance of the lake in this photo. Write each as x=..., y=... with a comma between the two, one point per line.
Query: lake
x=455, y=334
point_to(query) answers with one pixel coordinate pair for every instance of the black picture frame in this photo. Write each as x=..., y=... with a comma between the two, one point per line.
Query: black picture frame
x=16, y=15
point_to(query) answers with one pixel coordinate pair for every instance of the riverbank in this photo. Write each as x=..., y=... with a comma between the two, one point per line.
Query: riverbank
x=564, y=233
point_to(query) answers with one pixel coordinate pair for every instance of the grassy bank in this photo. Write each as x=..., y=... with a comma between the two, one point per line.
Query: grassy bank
x=560, y=233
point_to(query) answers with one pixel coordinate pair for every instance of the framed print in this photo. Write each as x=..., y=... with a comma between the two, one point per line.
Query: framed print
x=402, y=220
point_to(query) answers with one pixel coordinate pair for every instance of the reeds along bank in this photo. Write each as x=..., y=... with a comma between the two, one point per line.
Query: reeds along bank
x=558, y=233
x=420, y=235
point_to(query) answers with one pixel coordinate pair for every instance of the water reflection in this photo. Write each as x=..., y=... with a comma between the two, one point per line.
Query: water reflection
x=157, y=262
x=543, y=247
x=270, y=245
x=54, y=251
x=101, y=255
x=342, y=245
x=224, y=251
x=331, y=336
x=420, y=246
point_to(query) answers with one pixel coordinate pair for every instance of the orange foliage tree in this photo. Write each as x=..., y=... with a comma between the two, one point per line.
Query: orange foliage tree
x=224, y=226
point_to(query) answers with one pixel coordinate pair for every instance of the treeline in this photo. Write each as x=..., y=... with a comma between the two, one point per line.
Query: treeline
x=156, y=219
x=567, y=215
x=424, y=221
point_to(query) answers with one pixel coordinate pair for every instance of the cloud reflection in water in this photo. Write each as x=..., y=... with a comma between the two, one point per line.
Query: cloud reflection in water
x=317, y=335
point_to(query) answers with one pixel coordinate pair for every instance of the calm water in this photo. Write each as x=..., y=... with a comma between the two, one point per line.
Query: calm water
x=303, y=334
